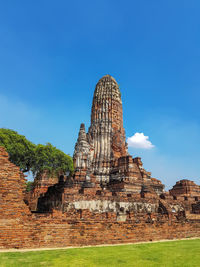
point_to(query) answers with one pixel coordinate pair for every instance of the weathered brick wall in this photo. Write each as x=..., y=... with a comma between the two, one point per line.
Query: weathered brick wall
x=19, y=228
x=48, y=231
x=13, y=211
x=41, y=184
x=12, y=186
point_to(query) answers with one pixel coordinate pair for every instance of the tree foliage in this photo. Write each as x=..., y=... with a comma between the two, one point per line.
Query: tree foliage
x=29, y=186
x=48, y=157
x=20, y=150
x=35, y=158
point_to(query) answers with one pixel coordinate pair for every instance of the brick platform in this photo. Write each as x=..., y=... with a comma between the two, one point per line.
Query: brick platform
x=19, y=228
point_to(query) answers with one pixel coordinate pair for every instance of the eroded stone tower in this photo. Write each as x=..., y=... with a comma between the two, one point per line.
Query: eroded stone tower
x=105, y=141
x=108, y=183
x=106, y=134
x=102, y=152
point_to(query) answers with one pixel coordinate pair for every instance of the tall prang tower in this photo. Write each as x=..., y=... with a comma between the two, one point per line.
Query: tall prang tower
x=106, y=135
x=101, y=154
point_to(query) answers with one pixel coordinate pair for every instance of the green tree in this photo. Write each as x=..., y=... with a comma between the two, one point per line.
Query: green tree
x=35, y=158
x=48, y=157
x=20, y=150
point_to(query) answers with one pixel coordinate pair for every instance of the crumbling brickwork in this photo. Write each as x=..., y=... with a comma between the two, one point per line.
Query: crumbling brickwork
x=12, y=187
x=102, y=152
x=107, y=220
x=186, y=188
x=110, y=198
x=40, y=186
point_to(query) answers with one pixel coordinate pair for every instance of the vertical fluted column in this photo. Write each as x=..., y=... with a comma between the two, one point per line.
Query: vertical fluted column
x=106, y=128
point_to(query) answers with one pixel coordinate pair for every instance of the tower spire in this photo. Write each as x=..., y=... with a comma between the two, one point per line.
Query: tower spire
x=106, y=132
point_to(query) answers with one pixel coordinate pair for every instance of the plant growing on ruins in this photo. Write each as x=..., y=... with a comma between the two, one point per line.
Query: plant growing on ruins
x=29, y=186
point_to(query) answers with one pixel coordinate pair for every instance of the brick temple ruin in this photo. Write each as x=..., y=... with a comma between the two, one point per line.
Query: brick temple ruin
x=109, y=199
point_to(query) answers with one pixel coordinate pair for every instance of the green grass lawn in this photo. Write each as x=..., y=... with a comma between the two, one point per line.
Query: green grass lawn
x=176, y=253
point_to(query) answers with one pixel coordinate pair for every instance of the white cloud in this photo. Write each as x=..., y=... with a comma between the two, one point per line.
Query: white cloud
x=139, y=140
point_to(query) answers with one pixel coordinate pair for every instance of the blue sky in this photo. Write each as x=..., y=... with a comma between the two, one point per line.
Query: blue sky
x=52, y=53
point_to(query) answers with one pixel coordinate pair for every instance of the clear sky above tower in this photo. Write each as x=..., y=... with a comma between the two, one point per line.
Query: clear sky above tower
x=52, y=54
